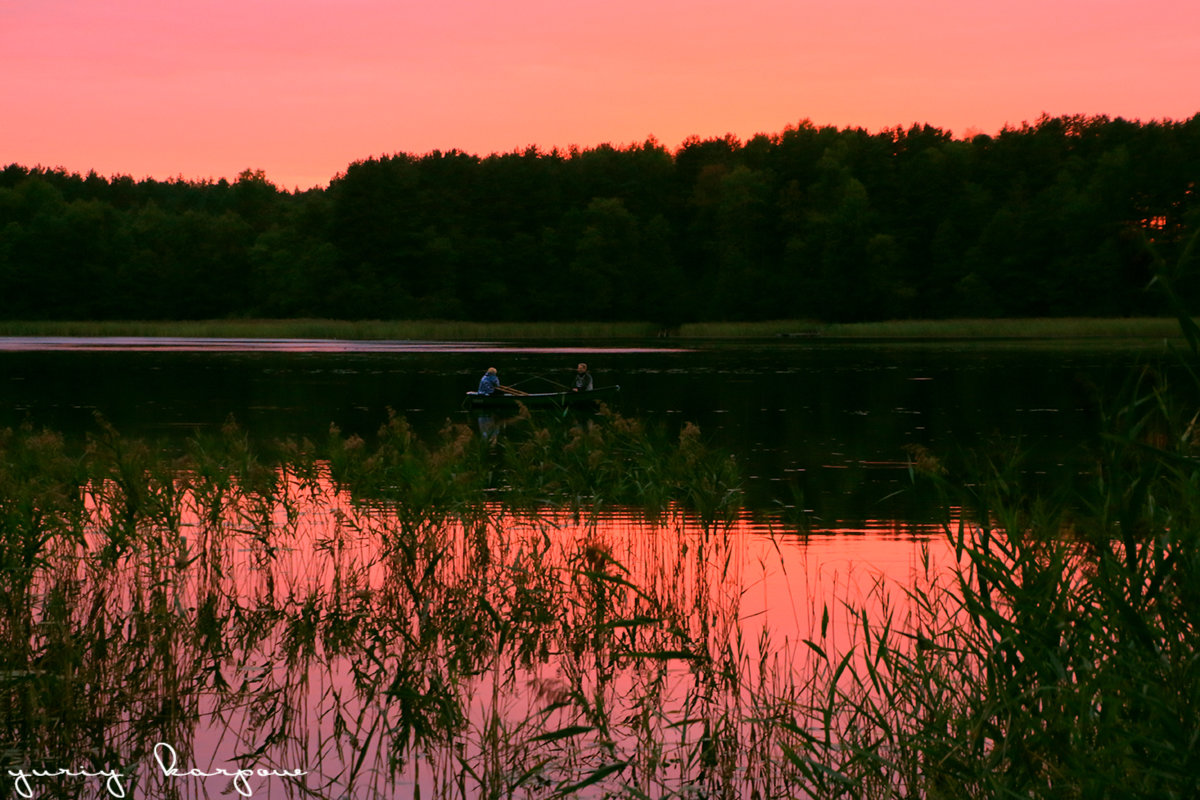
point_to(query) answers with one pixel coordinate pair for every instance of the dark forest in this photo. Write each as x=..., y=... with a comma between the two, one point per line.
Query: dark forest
x=1067, y=216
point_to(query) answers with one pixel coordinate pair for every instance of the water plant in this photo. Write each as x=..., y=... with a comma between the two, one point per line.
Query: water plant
x=560, y=610
x=1058, y=657
x=372, y=608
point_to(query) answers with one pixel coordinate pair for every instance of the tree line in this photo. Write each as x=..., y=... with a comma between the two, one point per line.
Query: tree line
x=1062, y=217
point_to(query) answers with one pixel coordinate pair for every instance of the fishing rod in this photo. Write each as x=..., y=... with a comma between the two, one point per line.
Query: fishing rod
x=542, y=378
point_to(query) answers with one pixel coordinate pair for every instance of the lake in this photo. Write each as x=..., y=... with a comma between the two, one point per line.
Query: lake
x=489, y=650
x=821, y=424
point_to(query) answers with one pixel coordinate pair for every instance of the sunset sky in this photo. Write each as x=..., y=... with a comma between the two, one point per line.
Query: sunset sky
x=207, y=88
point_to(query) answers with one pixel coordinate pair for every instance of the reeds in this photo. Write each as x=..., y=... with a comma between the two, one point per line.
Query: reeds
x=1049, y=329
x=558, y=610
x=1059, y=658
x=374, y=611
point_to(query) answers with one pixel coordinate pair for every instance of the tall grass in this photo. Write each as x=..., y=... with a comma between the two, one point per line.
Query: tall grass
x=1047, y=328
x=557, y=610
x=1059, y=660
x=371, y=611
x=1062, y=656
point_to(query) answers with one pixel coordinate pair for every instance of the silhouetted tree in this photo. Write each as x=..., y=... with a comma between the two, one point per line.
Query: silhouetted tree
x=1051, y=217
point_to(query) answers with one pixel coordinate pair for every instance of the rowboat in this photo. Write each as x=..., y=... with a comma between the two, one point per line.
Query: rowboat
x=541, y=399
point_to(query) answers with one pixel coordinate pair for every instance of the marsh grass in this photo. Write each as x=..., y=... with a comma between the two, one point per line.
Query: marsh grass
x=559, y=610
x=374, y=612
x=1042, y=328
x=1059, y=658
x=1058, y=661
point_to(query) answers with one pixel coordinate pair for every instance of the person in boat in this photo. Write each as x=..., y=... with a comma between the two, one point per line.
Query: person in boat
x=583, y=379
x=489, y=383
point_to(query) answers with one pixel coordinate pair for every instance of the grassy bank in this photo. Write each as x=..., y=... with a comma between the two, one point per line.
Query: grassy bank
x=443, y=330
x=1045, y=328
x=426, y=330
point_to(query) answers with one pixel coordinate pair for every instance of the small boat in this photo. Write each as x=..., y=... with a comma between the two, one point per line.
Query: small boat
x=541, y=399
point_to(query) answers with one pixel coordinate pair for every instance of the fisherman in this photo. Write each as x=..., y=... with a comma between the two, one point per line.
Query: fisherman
x=489, y=383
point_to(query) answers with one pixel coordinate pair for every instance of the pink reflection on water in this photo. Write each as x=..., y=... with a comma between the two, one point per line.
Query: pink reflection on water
x=630, y=625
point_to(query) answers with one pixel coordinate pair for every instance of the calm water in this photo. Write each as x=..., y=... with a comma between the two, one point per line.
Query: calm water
x=821, y=426
x=327, y=638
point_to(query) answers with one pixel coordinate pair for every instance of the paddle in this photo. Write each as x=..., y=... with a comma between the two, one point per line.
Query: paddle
x=510, y=390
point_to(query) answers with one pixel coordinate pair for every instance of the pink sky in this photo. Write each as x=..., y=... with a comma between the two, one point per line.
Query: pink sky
x=207, y=88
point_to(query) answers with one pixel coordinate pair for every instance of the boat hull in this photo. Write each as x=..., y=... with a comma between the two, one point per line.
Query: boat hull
x=542, y=399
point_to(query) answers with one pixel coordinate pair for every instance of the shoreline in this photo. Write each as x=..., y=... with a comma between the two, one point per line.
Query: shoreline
x=445, y=330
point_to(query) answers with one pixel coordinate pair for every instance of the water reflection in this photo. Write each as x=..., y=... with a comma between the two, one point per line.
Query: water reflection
x=810, y=421
x=489, y=425
x=275, y=621
x=580, y=608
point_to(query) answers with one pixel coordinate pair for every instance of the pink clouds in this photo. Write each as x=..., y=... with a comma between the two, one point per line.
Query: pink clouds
x=300, y=89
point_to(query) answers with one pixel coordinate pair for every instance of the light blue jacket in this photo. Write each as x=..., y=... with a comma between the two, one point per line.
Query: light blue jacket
x=488, y=384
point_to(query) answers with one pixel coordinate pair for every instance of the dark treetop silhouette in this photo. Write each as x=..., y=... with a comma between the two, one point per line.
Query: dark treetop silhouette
x=1049, y=219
